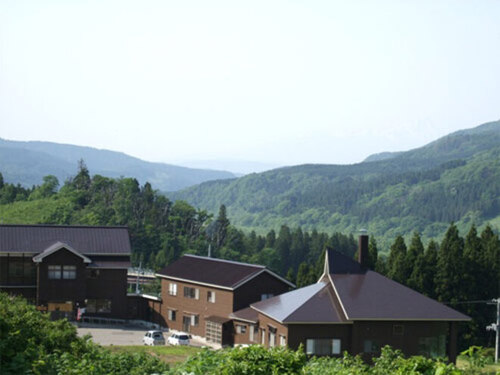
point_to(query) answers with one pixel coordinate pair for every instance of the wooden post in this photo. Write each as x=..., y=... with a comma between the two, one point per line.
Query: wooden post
x=452, y=343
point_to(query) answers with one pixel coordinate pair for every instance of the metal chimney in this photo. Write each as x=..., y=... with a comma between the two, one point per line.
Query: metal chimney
x=363, y=247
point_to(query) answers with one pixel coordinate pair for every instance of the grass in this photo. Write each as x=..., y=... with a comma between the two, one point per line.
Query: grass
x=487, y=370
x=168, y=354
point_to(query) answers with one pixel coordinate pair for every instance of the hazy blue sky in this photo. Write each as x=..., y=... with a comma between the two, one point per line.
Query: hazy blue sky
x=285, y=82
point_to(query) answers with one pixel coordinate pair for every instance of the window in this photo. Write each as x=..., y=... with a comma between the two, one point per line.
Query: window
x=262, y=336
x=398, y=330
x=195, y=320
x=282, y=340
x=323, y=346
x=93, y=274
x=54, y=272
x=69, y=272
x=266, y=296
x=211, y=296
x=251, y=334
x=371, y=346
x=99, y=306
x=172, y=315
x=16, y=268
x=172, y=289
x=191, y=292
x=432, y=347
x=272, y=336
x=241, y=328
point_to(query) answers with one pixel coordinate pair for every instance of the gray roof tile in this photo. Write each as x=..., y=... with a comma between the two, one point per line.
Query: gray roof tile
x=85, y=239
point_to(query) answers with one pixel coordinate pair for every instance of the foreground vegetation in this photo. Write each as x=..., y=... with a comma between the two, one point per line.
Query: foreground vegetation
x=30, y=343
x=168, y=354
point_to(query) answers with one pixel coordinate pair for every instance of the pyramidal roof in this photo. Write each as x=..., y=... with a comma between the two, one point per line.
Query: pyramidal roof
x=313, y=303
x=347, y=292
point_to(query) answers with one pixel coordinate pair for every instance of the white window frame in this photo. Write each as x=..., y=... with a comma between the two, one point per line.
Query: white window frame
x=195, y=320
x=68, y=272
x=282, y=340
x=171, y=313
x=211, y=296
x=172, y=289
x=336, y=346
x=54, y=271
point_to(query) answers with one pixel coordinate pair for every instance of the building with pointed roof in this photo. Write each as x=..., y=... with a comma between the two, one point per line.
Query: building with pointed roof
x=354, y=309
x=62, y=267
x=199, y=294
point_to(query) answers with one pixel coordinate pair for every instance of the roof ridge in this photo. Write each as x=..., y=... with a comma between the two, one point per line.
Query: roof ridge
x=226, y=261
x=67, y=226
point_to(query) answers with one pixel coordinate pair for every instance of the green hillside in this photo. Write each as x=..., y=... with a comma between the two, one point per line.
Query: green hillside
x=28, y=162
x=456, y=178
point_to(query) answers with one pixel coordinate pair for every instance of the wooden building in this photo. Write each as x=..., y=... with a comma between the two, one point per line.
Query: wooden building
x=353, y=309
x=61, y=268
x=199, y=294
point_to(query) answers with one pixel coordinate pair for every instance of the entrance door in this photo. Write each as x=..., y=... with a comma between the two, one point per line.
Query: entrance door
x=186, y=323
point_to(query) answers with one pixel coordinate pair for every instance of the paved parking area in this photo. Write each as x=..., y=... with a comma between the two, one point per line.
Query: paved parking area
x=121, y=335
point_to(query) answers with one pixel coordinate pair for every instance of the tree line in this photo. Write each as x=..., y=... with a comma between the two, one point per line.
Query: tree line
x=453, y=271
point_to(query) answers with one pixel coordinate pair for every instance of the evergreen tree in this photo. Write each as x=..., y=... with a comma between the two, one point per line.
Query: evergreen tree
x=290, y=275
x=416, y=263
x=490, y=260
x=222, y=225
x=270, y=238
x=303, y=275
x=450, y=285
x=397, y=266
x=283, y=243
x=297, y=248
x=429, y=271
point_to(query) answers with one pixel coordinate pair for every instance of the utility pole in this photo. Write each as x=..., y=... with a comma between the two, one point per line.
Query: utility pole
x=137, y=290
x=496, y=327
x=497, y=345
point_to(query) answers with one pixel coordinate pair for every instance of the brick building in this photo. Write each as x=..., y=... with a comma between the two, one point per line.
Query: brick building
x=199, y=294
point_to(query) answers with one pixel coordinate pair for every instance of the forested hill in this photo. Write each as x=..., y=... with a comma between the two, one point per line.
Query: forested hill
x=28, y=162
x=455, y=178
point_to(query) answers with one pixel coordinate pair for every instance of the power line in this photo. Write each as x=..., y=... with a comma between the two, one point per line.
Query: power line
x=489, y=301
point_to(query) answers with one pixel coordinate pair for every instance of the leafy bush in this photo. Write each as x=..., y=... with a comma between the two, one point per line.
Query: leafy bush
x=259, y=360
x=30, y=343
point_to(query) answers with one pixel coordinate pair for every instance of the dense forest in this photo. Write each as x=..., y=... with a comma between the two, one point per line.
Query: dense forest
x=454, y=270
x=456, y=178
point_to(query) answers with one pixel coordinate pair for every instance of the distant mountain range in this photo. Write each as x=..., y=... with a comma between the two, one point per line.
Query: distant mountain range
x=27, y=162
x=455, y=178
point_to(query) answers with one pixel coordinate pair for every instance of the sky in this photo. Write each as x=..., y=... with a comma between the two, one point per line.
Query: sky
x=274, y=82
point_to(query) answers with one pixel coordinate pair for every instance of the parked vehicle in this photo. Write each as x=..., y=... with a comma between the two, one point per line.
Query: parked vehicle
x=178, y=339
x=153, y=338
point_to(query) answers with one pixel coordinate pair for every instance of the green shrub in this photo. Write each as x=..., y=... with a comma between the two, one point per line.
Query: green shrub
x=30, y=343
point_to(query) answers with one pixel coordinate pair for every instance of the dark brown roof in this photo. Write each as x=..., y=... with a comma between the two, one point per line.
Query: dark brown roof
x=348, y=293
x=217, y=319
x=247, y=314
x=213, y=271
x=313, y=303
x=371, y=296
x=85, y=239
